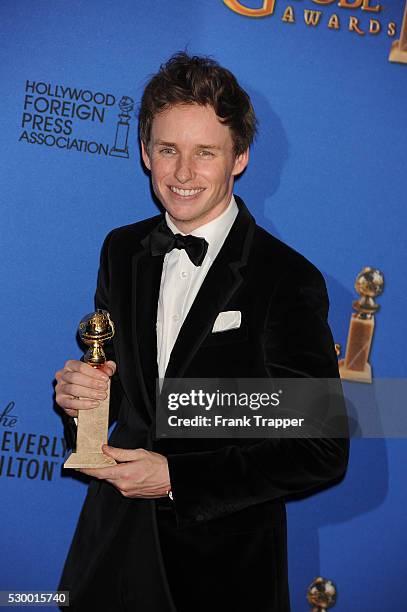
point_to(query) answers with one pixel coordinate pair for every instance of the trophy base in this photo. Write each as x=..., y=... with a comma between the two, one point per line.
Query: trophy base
x=397, y=54
x=88, y=460
x=119, y=153
x=363, y=376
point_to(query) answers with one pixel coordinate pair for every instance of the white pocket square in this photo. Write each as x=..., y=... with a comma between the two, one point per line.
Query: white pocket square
x=229, y=319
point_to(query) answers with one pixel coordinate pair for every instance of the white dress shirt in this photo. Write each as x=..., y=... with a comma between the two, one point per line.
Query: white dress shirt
x=181, y=281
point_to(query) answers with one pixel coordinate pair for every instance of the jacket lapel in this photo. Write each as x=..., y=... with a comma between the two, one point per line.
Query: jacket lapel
x=221, y=282
x=146, y=275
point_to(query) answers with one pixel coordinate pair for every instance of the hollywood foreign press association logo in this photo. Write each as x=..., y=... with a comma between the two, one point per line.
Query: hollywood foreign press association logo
x=76, y=119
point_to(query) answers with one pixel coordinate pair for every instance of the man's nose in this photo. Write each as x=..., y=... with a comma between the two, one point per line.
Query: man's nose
x=184, y=171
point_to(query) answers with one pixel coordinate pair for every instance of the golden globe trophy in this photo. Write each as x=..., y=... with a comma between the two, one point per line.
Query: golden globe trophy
x=321, y=594
x=94, y=330
x=369, y=284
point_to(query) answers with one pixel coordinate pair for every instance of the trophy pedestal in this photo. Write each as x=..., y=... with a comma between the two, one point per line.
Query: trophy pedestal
x=355, y=366
x=92, y=433
x=398, y=53
x=88, y=460
x=364, y=375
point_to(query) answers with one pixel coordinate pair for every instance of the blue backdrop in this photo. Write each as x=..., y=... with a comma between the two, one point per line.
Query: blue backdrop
x=327, y=176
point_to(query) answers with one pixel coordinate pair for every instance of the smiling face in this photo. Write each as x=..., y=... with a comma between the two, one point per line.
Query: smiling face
x=192, y=164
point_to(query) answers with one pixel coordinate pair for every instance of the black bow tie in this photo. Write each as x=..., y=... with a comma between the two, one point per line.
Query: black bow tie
x=162, y=241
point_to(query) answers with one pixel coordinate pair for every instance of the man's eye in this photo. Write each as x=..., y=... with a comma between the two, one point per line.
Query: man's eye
x=206, y=153
x=167, y=151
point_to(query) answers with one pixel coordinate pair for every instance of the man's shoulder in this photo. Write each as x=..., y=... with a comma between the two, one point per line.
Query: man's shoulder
x=271, y=256
x=278, y=257
x=131, y=235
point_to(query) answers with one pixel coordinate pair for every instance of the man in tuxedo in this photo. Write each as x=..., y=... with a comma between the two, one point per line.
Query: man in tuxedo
x=198, y=292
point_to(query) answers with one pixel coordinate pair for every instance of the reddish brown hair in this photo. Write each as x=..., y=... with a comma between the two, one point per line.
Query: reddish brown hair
x=185, y=79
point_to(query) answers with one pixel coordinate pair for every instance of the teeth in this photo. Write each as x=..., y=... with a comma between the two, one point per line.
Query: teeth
x=185, y=192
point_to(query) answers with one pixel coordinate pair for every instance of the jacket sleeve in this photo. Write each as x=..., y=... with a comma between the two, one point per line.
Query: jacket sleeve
x=297, y=342
x=102, y=301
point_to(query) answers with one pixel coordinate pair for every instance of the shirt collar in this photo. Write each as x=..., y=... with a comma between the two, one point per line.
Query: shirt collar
x=215, y=231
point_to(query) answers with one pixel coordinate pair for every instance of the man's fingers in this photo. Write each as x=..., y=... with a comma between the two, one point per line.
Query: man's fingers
x=77, y=378
x=83, y=388
x=109, y=368
x=65, y=392
x=111, y=473
x=72, y=365
x=72, y=403
x=81, y=391
x=83, y=374
x=122, y=454
x=71, y=413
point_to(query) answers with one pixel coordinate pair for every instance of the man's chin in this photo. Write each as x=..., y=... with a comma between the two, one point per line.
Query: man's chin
x=179, y=218
x=183, y=212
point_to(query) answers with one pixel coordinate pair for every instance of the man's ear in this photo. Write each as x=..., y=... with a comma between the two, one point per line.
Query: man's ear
x=241, y=162
x=145, y=156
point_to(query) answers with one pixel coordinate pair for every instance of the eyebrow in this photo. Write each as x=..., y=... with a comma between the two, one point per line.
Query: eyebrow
x=164, y=143
x=208, y=146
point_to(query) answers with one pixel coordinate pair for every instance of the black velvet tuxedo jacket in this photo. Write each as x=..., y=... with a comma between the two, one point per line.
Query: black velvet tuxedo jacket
x=221, y=545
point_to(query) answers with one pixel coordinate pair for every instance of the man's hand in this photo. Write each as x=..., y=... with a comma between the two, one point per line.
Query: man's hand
x=81, y=387
x=139, y=473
